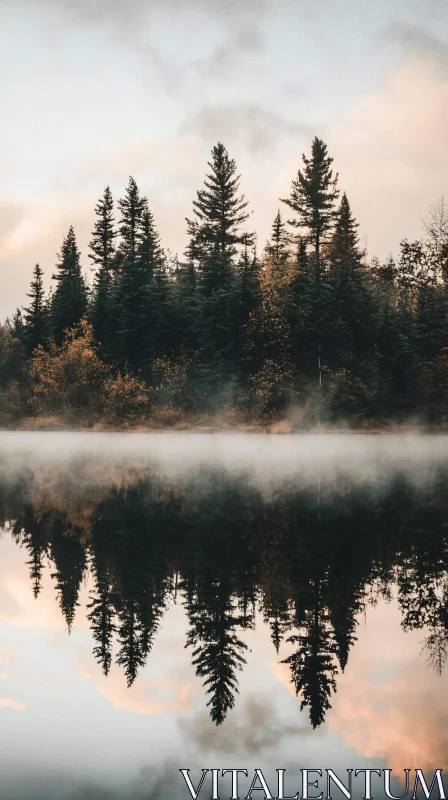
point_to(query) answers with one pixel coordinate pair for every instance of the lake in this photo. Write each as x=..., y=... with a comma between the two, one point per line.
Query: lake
x=195, y=600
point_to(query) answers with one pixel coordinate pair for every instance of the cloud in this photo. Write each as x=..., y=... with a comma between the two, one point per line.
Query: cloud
x=148, y=29
x=167, y=160
x=9, y=702
x=416, y=42
x=107, y=11
x=149, y=697
x=37, y=237
x=258, y=128
x=254, y=728
x=390, y=151
x=378, y=717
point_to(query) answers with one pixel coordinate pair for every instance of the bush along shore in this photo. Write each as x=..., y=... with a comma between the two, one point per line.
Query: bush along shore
x=306, y=331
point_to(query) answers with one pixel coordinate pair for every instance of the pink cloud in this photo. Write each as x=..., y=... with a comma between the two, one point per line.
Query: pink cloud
x=390, y=151
x=152, y=697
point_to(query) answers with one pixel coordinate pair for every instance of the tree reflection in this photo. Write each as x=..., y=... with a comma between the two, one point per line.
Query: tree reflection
x=308, y=559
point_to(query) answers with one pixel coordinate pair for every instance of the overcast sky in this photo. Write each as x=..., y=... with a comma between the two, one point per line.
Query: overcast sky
x=92, y=91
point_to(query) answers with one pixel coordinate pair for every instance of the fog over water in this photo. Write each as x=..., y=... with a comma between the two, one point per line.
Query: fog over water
x=268, y=458
x=233, y=600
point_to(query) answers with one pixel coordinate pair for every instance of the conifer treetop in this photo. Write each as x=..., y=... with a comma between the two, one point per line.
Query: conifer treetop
x=313, y=195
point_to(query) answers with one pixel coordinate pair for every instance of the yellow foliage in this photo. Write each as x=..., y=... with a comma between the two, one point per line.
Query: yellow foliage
x=71, y=379
x=126, y=398
x=68, y=378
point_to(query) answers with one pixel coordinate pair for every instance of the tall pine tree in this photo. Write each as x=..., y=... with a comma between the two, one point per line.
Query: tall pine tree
x=103, y=256
x=219, y=212
x=69, y=301
x=132, y=279
x=313, y=195
x=36, y=316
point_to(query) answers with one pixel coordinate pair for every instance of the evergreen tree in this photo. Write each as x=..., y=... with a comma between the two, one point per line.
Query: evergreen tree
x=101, y=616
x=69, y=301
x=132, y=207
x=345, y=239
x=157, y=322
x=313, y=194
x=219, y=212
x=351, y=315
x=132, y=280
x=217, y=653
x=150, y=255
x=131, y=655
x=312, y=665
x=103, y=256
x=36, y=322
x=278, y=246
x=215, y=236
x=69, y=559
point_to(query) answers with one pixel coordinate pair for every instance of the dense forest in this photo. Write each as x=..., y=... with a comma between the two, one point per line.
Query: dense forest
x=306, y=330
x=308, y=560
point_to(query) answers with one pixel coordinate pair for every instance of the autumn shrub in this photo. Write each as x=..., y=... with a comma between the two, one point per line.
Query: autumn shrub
x=126, y=398
x=69, y=378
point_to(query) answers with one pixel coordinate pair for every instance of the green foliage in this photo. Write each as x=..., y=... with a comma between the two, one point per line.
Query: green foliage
x=313, y=194
x=103, y=256
x=215, y=231
x=36, y=324
x=69, y=301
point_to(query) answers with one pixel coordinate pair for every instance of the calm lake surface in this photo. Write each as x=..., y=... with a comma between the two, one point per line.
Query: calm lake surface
x=219, y=600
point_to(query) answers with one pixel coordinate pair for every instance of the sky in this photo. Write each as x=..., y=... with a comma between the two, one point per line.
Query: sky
x=93, y=91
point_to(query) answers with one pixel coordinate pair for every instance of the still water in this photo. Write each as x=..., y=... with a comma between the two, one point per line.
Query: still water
x=199, y=601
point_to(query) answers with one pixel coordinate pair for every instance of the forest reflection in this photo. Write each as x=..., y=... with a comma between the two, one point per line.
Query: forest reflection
x=309, y=557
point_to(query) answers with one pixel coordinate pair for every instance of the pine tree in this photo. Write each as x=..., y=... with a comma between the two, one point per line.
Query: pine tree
x=131, y=655
x=345, y=240
x=312, y=665
x=103, y=256
x=158, y=326
x=101, y=617
x=132, y=207
x=70, y=297
x=150, y=255
x=217, y=653
x=216, y=235
x=219, y=212
x=248, y=287
x=132, y=278
x=278, y=245
x=36, y=322
x=313, y=194
x=350, y=309
x=69, y=557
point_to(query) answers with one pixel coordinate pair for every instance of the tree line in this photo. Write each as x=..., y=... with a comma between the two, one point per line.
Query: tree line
x=308, y=327
x=306, y=560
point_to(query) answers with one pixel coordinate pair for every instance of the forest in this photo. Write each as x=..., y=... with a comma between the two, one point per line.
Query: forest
x=306, y=330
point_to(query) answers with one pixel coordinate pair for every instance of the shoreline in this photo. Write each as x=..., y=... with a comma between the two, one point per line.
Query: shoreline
x=279, y=428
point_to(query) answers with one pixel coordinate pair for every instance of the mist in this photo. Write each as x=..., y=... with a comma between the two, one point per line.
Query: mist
x=267, y=460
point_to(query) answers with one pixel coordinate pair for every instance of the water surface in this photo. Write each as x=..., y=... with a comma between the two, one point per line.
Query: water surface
x=203, y=600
